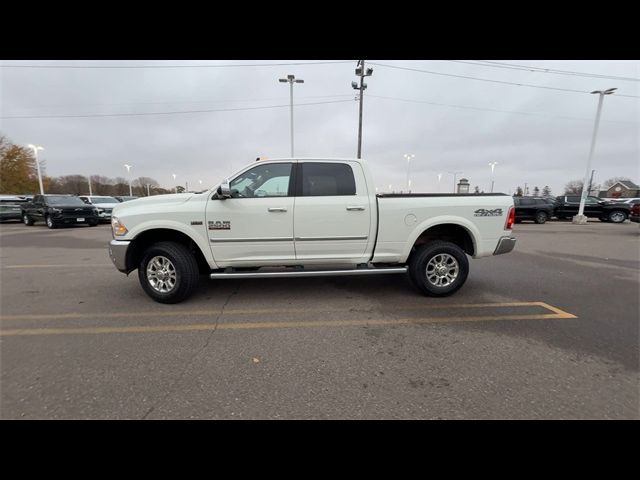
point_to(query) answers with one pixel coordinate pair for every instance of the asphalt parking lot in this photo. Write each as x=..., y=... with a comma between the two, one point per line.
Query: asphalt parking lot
x=548, y=331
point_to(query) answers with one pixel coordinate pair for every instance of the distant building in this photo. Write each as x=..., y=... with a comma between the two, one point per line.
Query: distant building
x=621, y=189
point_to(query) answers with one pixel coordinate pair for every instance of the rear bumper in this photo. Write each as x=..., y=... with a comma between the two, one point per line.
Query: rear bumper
x=505, y=245
x=118, y=254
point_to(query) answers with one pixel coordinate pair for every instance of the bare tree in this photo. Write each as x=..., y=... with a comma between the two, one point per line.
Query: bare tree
x=574, y=187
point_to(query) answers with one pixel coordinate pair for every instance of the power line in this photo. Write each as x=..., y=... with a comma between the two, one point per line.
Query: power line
x=179, y=102
x=468, y=107
x=175, y=66
x=490, y=80
x=512, y=66
x=167, y=113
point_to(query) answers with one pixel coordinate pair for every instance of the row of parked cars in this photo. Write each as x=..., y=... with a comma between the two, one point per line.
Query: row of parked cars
x=56, y=210
x=564, y=207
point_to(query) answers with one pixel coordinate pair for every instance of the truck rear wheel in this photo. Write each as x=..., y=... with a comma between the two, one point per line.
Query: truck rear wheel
x=27, y=220
x=439, y=268
x=168, y=272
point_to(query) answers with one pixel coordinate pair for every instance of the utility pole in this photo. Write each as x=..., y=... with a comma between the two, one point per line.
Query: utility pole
x=493, y=166
x=361, y=72
x=90, y=193
x=128, y=167
x=590, y=183
x=580, y=219
x=409, y=156
x=35, y=153
x=291, y=79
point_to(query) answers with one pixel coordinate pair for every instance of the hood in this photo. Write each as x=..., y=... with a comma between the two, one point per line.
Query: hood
x=168, y=199
x=105, y=205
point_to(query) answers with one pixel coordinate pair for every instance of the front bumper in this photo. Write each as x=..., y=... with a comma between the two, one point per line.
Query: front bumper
x=505, y=245
x=634, y=218
x=118, y=254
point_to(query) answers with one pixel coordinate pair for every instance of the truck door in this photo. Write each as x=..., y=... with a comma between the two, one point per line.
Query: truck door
x=332, y=211
x=256, y=224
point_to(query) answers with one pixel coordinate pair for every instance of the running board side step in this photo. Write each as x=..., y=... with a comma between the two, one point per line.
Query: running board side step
x=312, y=273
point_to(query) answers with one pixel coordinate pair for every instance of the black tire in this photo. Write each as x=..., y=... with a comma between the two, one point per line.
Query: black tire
x=186, y=270
x=541, y=217
x=617, y=216
x=50, y=223
x=27, y=220
x=421, y=258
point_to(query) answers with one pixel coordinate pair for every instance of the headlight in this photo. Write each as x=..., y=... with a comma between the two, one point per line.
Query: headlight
x=118, y=228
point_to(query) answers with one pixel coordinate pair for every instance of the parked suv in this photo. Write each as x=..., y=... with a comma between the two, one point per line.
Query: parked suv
x=10, y=207
x=57, y=210
x=104, y=205
x=532, y=208
x=567, y=206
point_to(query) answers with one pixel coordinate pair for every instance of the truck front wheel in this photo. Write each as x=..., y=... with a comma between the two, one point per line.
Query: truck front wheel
x=168, y=272
x=438, y=268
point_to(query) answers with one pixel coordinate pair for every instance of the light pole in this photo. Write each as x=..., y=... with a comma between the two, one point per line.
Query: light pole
x=129, y=174
x=455, y=174
x=148, y=191
x=291, y=79
x=580, y=219
x=493, y=165
x=409, y=156
x=439, y=178
x=89, y=178
x=174, y=181
x=35, y=153
x=361, y=72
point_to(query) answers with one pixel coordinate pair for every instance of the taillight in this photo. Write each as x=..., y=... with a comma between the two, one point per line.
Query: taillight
x=511, y=218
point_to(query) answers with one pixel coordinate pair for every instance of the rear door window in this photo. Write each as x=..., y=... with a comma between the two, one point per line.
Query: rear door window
x=326, y=179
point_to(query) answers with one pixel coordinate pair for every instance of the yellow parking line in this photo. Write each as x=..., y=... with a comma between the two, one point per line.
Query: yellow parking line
x=72, y=265
x=200, y=313
x=265, y=325
x=561, y=313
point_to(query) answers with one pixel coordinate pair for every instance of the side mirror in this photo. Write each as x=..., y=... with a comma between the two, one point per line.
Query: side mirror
x=224, y=191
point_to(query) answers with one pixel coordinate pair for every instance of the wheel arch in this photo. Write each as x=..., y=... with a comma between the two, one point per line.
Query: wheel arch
x=150, y=236
x=451, y=231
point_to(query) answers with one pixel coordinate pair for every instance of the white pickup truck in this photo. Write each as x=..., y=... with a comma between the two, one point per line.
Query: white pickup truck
x=306, y=217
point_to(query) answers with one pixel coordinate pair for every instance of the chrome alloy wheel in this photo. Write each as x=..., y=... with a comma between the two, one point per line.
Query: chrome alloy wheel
x=442, y=270
x=617, y=217
x=161, y=274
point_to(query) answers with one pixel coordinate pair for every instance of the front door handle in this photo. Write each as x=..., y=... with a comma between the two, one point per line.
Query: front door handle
x=356, y=208
x=277, y=209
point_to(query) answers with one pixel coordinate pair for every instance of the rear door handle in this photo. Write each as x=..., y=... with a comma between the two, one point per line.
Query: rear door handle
x=277, y=209
x=356, y=208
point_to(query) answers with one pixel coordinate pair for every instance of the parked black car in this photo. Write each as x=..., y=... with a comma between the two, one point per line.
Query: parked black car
x=11, y=207
x=634, y=215
x=567, y=206
x=56, y=210
x=532, y=208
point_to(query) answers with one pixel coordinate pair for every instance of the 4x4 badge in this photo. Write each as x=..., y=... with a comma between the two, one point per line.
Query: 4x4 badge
x=482, y=212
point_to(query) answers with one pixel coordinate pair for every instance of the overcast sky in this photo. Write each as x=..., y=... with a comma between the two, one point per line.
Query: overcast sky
x=539, y=145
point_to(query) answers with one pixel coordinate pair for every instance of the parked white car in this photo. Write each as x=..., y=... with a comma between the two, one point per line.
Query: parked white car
x=103, y=204
x=309, y=217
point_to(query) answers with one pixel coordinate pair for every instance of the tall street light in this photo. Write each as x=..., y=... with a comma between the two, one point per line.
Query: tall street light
x=35, y=153
x=361, y=72
x=90, y=192
x=174, y=181
x=439, y=178
x=455, y=174
x=493, y=165
x=129, y=173
x=580, y=219
x=409, y=156
x=291, y=79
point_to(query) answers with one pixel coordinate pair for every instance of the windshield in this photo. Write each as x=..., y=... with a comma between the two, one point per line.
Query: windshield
x=103, y=200
x=64, y=200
